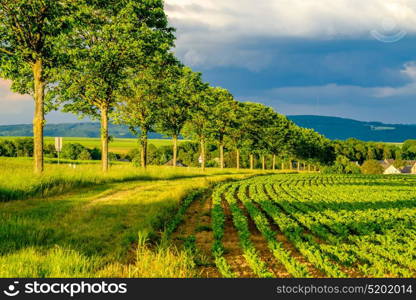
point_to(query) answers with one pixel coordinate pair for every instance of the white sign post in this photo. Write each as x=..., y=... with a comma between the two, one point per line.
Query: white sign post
x=58, y=146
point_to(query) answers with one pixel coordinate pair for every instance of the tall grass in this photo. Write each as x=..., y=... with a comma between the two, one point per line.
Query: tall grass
x=161, y=261
x=18, y=182
x=52, y=263
x=92, y=231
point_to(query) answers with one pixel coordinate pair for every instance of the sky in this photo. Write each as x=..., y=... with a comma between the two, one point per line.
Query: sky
x=346, y=58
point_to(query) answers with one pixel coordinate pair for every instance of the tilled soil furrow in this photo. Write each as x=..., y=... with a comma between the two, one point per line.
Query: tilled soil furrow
x=234, y=253
x=198, y=216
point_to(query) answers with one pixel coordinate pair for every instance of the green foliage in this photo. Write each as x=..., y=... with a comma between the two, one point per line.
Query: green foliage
x=183, y=86
x=189, y=153
x=21, y=147
x=360, y=151
x=342, y=165
x=109, y=40
x=223, y=114
x=409, y=150
x=8, y=148
x=30, y=32
x=372, y=167
x=72, y=151
x=85, y=155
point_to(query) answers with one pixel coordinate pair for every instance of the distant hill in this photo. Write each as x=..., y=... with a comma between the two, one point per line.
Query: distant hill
x=90, y=130
x=342, y=129
x=331, y=127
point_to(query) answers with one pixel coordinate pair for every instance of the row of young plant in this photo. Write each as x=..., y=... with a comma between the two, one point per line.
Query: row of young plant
x=321, y=217
x=340, y=250
x=294, y=267
x=240, y=222
x=344, y=230
x=218, y=228
x=392, y=221
x=303, y=241
x=392, y=204
x=180, y=214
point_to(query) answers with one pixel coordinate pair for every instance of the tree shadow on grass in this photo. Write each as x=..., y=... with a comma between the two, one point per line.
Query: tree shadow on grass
x=106, y=230
x=60, y=185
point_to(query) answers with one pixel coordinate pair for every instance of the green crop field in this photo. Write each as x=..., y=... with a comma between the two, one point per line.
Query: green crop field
x=117, y=145
x=316, y=226
x=182, y=222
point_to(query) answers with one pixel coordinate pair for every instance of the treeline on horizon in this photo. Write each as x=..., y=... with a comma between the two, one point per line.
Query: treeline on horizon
x=348, y=156
x=113, y=61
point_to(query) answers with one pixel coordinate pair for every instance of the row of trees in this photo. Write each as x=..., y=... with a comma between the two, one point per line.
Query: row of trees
x=23, y=147
x=79, y=54
x=359, y=151
x=112, y=60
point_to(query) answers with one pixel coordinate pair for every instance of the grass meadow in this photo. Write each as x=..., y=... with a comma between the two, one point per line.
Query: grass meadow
x=81, y=223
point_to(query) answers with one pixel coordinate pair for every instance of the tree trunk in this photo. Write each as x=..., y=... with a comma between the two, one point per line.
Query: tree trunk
x=283, y=165
x=298, y=165
x=263, y=162
x=238, y=159
x=203, y=154
x=291, y=165
x=221, y=155
x=274, y=162
x=175, y=150
x=104, y=138
x=39, y=117
x=309, y=168
x=251, y=161
x=143, y=144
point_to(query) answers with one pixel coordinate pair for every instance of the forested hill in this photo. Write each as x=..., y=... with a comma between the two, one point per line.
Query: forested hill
x=70, y=130
x=331, y=127
x=340, y=128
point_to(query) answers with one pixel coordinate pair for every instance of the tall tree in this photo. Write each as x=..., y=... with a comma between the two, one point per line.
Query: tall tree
x=29, y=30
x=223, y=118
x=259, y=121
x=183, y=87
x=236, y=133
x=199, y=126
x=281, y=138
x=138, y=102
x=118, y=36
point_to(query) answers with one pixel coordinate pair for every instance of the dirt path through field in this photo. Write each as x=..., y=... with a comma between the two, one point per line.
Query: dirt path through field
x=197, y=224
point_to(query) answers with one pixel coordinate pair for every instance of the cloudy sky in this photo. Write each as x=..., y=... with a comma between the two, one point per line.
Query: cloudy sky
x=348, y=58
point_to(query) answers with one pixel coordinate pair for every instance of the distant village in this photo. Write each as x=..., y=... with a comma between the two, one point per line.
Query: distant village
x=390, y=168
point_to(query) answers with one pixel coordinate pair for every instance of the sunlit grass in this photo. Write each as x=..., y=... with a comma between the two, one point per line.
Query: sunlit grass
x=55, y=262
x=17, y=180
x=162, y=261
x=94, y=224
